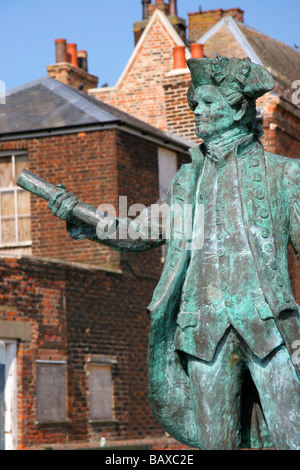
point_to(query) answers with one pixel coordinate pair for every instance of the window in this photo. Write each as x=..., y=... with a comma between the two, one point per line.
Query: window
x=15, y=223
x=101, y=388
x=51, y=391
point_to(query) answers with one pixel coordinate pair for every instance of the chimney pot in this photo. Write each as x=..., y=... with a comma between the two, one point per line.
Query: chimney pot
x=179, y=61
x=72, y=54
x=60, y=50
x=197, y=50
x=82, y=60
x=146, y=9
x=173, y=8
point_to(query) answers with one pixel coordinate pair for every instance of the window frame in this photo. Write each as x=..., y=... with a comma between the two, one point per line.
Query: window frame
x=108, y=362
x=49, y=420
x=15, y=189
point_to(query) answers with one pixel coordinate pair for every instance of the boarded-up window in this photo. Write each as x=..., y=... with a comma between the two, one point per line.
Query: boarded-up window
x=51, y=391
x=101, y=392
x=15, y=223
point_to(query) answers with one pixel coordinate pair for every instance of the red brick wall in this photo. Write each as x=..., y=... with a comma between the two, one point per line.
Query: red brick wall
x=224, y=43
x=141, y=93
x=180, y=118
x=75, y=313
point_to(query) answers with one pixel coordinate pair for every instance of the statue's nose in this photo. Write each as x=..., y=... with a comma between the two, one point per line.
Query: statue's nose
x=198, y=111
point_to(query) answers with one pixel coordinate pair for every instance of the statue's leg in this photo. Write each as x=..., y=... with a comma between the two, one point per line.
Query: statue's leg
x=216, y=391
x=279, y=389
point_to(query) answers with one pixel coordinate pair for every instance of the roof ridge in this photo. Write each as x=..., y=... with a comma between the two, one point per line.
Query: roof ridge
x=76, y=99
x=30, y=84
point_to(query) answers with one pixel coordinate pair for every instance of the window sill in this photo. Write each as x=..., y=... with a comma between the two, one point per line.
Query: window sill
x=103, y=421
x=15, y=245
x=65, y=422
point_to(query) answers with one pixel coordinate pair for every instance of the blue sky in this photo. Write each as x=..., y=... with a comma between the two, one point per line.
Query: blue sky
x=105, y=29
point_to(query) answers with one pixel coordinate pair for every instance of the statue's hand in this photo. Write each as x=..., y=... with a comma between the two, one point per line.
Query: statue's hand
x=62, y=203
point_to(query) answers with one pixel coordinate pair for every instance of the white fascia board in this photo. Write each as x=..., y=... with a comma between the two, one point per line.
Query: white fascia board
x=237, y=34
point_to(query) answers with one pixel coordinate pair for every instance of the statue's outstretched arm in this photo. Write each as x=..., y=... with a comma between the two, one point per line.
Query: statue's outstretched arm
x=141, y=234
x=84, y=221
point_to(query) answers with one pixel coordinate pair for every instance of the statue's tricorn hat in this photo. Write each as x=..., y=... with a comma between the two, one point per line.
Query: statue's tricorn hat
x=233, y=75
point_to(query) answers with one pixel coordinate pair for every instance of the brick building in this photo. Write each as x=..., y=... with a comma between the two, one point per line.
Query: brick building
x=72, y=314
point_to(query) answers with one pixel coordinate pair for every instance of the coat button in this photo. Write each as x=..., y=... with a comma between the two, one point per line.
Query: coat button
x=268, y=248
x=265, y=233
x=254, y=162
x=259, y=194
x=263, y=213
x=286, y=297
x=222, y=269
x=257, y=177
x=273, y=265
x=219, y=221
x=221, y=253
x=278, y=281
x=223, y=286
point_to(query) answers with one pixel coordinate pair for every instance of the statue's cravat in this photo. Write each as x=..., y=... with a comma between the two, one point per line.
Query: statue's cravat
x=218, y=147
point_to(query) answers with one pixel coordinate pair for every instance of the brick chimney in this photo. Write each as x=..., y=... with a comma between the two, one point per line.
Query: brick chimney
x=71, y=66
x=201, y=21
x=169, y=9
x=158, y=5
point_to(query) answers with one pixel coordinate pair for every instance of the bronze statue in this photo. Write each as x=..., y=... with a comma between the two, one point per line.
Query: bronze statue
x=224, y=321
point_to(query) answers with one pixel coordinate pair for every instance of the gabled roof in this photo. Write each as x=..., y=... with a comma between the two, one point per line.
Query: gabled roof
x=171, y=31
x=282, y=60
x=51, y=106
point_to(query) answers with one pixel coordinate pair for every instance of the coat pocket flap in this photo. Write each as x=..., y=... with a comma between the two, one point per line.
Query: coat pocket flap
x=264, y=311
x=185, y=320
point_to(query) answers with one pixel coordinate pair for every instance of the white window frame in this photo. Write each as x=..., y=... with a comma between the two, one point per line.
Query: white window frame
x=14, y=189
x=10, y=395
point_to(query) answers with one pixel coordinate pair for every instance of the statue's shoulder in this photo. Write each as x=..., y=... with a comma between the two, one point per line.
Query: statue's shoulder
x=187, y=168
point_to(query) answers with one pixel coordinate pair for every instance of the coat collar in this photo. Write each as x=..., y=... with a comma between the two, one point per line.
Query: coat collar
x=244, y=145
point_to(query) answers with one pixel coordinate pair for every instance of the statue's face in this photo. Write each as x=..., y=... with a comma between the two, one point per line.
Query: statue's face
x=213, y=114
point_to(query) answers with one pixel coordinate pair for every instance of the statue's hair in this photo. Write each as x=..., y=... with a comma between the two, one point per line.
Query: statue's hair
x=235, y=99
